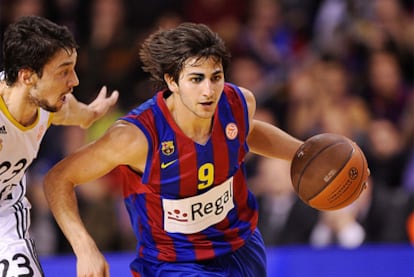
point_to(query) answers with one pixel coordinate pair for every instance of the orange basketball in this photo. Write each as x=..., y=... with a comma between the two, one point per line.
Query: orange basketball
x=329, y=171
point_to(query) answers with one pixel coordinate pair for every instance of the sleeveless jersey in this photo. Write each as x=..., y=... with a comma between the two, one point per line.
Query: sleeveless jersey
x=192, y=202
x=19, y=146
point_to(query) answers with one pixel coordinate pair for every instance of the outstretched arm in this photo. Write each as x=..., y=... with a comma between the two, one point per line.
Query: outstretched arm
x=78, y=113
x=121, y=144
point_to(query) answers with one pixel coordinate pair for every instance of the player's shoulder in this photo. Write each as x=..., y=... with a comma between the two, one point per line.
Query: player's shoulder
x=126, y=143
x=246, y=93
x=124, y=131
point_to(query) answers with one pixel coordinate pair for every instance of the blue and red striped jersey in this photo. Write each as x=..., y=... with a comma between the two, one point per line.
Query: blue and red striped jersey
x=192, y=202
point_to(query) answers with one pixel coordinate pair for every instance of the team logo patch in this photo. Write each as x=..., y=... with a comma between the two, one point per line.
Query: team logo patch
x=167, y=147
x=231, y=131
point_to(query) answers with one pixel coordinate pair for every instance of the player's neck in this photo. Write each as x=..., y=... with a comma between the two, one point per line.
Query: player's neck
x=198, y=129
x=15, y=99
x=193, y=126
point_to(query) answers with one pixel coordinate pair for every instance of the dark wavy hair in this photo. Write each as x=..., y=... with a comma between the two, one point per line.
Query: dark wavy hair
x=30, y=43
x=166, y=50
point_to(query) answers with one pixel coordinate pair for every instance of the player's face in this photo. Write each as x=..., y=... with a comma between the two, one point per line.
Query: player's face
x=58, y=79
x=200, y=85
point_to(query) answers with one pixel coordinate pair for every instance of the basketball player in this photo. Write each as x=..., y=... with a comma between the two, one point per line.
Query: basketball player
x=181, y=155
x=35, y=91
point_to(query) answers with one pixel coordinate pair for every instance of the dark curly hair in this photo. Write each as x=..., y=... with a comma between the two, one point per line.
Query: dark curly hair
x=166, y=50
x=30, y=43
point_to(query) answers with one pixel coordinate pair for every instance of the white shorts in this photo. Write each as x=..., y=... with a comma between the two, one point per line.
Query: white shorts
x=18, y=256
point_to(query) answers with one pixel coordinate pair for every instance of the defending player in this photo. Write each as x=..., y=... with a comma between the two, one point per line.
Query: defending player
x=182, y=158
x=35, y=91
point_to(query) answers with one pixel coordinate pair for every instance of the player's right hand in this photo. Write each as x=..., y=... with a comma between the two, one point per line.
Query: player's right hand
x=92, y=265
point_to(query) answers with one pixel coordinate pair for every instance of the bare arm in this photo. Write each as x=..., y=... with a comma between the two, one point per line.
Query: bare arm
x=122, y=144
x=268, y=140
x=74, y=112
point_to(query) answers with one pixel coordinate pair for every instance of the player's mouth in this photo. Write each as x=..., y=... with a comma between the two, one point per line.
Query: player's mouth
x=63, y=98
x=207, y=103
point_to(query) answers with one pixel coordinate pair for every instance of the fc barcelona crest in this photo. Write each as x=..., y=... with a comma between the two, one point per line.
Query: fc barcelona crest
x=167, y=147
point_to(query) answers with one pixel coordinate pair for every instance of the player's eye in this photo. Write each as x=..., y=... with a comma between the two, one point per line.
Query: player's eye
x=217, y=78
x=64, y=73
x=196, y=79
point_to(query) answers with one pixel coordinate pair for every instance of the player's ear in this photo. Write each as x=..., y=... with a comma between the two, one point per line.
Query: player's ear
x=27, y=76
x=172, y=85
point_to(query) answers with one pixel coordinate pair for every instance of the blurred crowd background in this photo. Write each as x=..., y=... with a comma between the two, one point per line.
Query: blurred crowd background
x=342, y=66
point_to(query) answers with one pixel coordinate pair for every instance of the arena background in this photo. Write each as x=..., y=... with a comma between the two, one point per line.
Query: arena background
x=312, y=52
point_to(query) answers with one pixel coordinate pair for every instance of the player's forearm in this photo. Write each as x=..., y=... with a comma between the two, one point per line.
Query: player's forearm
x=63, y=204
x=272, y=142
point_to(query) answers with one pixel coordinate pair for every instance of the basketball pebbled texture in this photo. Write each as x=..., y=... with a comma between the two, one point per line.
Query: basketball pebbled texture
x=329, y=171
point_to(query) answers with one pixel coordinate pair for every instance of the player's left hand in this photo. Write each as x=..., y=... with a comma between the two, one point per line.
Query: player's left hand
x=100, y=105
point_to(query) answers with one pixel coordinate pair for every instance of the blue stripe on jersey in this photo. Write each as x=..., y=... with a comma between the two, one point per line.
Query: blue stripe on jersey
x=225, y=118
x=171, y=173
x=139, y=220
x=245, y=108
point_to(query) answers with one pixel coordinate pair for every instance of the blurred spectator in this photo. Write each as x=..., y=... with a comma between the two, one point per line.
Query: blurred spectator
x=336, y=100
x=303, y=108
x=223, y=16
x=247, y=72
x=383, y=213
x=397, y=26
x=388, y=94
x=10, y=10
x=283, y=217
x=339, y=228
x=385, y=153
x=329, y=35
x=108, y=55
x=266, y=38
x=378, y=215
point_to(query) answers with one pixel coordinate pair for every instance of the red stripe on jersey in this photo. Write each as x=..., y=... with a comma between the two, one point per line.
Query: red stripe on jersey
x=154, y=204
x=205, y=251
x=188, y=166
x=221, y=152
x=247, y=214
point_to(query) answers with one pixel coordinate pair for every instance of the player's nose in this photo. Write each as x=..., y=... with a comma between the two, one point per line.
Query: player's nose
x=73, y=80
x=208, y=89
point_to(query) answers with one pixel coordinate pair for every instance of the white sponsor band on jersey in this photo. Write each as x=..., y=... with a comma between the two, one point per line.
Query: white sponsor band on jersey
x=194, y=214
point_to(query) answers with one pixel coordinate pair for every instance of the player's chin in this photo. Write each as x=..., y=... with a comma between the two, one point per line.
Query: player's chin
x=208, y=108
x=206, y=114
x=54, y=108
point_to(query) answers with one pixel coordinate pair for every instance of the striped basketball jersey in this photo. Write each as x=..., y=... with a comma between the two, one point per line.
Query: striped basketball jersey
x=19, y=146
x=192, y=202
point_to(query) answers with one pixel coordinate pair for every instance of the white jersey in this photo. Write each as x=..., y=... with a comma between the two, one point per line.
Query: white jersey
x=19, y=146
